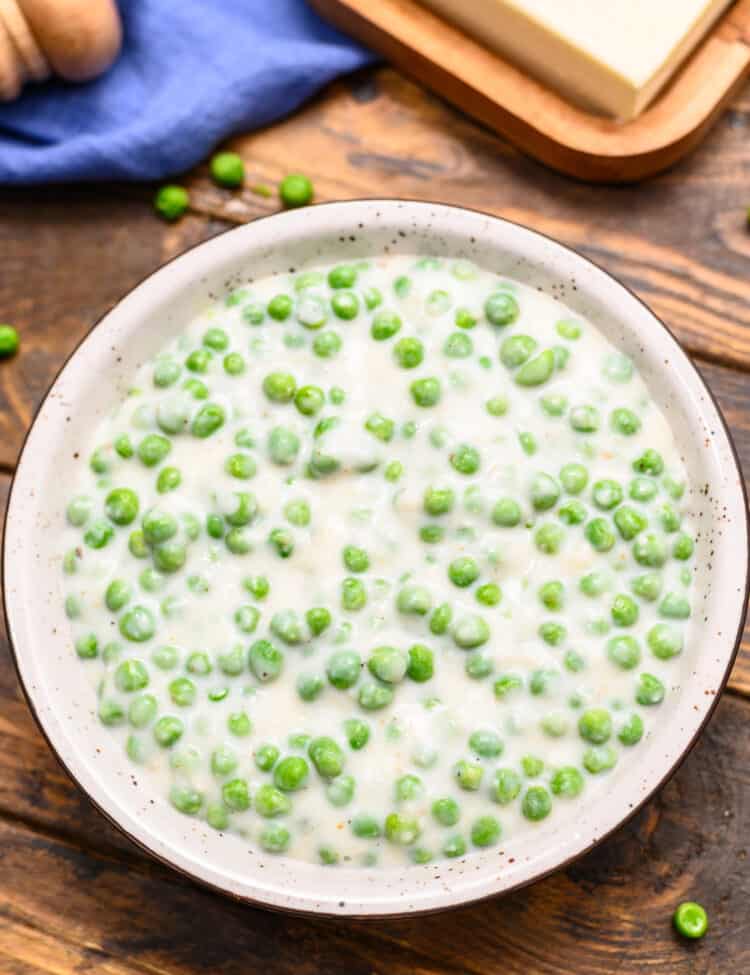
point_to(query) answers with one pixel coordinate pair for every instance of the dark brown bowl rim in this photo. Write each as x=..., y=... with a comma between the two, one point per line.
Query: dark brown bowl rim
x=418, y=912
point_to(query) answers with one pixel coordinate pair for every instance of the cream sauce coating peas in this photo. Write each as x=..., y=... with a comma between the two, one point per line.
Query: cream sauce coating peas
x=382, y=562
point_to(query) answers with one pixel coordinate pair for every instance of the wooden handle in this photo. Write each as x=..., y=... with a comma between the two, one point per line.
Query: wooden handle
x=79, y=38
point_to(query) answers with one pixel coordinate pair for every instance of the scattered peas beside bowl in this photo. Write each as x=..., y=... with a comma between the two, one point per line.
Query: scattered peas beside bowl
x=382, y=562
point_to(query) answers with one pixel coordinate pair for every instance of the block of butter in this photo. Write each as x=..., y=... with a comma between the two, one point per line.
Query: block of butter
x=612, y=56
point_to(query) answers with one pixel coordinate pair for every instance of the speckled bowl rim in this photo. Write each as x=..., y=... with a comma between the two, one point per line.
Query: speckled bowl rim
x=366, y=901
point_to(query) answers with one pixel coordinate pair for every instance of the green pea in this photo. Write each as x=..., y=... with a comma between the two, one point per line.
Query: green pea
x=501, y=309
x=536, y=803
x=246, y=618
x=240, y=466
x=478, y=666
x=574, y=478
x=234, y=364
x=438, y=501
x=401, y=830
x=650, y=551
x=569, y=328
x=642, y=489
x=649, y=690
x=463, y=571
x=280, y=387
x=121, y=506
x=311, y=313
x=182, y=690
x=690, y=920
x=266, y=757
x=385, y=325
x=553, y=634
x=486, y=743
x=374, y=697
x=567, y=782
x=683, y=547
x=441, y=619
x=497, y=406
x=353, y=595
x=552, y=595
x=554, y=405
x=223, y=761
x=236, y=795
x=506, y=513
x=291, y=773
x=458, y=345
x=327, y=757
x=468, y=776
x=283, y=446
x=280, y=307
x=342, y=276
x=199, y=361
x=318, y=620
x=380, y=427
x=208, y=420
x=326, y=345
x=625, y=651
x=239, y=724
x=168, y=730
x=138, y=624
x=345, y=305
x=124, y=446
x=632, y=731
x=674, y=606
x=413, y=599
x=548, y=538
x=489, y=594
x=544, y=492
x=426, y=392
x=607, y=494
x=584, y=419
x=650, y=462
x=118, y=594
x=618, y=368
x=536, y=371
x=197, y=389
x=599, y=759
x=265, y=660
x=516, y=350
x=409, y=353
x=357, y=733
x=485, y=831
x=388, y=664
x=340, y=791
x=270, y=801
x=624, y=422
x=624, y=611
x=408, y=787
x=465, y=459
x=343, y=669
x=664, y=641
x=87, y=647
x=131, y=675
x=470, y=632
x=373, y=297
x=506, y=786
x=599, y=534
x=186, y=799
x=595, y=726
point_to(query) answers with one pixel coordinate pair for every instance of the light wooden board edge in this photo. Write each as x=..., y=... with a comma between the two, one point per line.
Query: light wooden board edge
x=536, y=119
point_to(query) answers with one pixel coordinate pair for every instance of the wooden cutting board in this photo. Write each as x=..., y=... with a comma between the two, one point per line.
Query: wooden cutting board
x=534, y=117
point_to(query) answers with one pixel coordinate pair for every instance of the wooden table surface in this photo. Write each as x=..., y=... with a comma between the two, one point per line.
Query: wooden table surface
x=75, y=896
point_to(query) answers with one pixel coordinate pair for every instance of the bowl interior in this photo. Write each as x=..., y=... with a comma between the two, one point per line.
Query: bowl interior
x=97, y=377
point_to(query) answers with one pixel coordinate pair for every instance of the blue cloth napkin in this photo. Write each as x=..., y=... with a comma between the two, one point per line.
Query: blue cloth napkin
x=191, y=72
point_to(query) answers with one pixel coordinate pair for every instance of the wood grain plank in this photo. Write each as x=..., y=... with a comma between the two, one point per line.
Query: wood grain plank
x=679, y=240
x=67, y=258
x=608, y=913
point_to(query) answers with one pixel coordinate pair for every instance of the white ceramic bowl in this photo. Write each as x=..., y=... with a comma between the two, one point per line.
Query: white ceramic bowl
x=96, y=377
